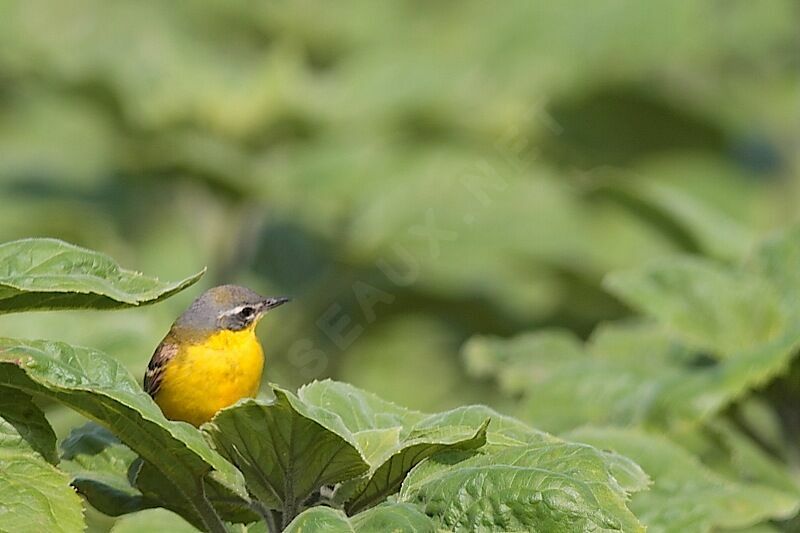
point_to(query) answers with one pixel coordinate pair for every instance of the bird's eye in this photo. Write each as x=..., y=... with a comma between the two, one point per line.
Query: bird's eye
x=247, y=312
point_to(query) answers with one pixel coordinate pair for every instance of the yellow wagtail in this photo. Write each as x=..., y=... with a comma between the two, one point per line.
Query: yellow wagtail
x=211, y=357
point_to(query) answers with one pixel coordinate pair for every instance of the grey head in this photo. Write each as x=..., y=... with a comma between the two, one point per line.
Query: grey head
x=228, y=307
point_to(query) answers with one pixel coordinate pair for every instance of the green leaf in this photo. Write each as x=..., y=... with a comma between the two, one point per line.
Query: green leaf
x=286, y=449
x=778, y=259
x=395, y=517
x=98, y=387
x=390, y=468
x=155, y=486
x=391, y=438
x=523, y=362
x=18, y=409
x=502, y=430
x=631, y=373
x=763, y=422
x=359, y=410
x=626, y=340
x=99, y=463
x=758, y=528
x=710, y=307
x=152, y=520
x=686, y=496
x=747, y=461
x=37, y=274
x=700, y=394
x=707, y=230
x=34, y=495
x=558, y=486
x=569, y=387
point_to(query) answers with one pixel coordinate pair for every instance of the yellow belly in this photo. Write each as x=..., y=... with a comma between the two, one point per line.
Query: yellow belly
x=204, y=378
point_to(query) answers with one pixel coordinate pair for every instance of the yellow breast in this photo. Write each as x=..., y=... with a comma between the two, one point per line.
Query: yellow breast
x=207, y=376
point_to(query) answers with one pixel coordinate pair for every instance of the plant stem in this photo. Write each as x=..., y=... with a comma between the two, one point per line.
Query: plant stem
x=289, y=500
x=270, y=517
x=272, y=522
x=211, y=520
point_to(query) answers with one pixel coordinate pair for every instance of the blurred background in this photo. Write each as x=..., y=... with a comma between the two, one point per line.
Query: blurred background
x=411, y=173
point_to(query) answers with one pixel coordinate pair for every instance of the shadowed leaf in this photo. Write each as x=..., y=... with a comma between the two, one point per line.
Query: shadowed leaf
x=98, y=387
x=285, y=449
x=99, y=463
x=18, y=409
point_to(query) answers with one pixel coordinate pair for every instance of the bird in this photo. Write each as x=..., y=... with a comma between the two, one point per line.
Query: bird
x=211, y=357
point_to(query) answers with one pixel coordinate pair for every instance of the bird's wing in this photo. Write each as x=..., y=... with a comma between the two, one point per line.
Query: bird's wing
x=155, y=369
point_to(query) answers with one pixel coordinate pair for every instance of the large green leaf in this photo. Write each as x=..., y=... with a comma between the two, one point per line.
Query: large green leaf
x=18, y=409
x=395, y=517
x=152, y=520
x=34, y=495
x=556, y=486
x=504, y=431
x=709, y=306
x=628, y=373
x=286, y=449
x=155, y=486
x=359, y=410
x=99, y=465
x=51, y=274
x=686, y=496
x=391, y=438
x=97, y=386
x=392, y=465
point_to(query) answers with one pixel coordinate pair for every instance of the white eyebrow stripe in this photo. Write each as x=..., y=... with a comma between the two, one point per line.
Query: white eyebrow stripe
x=234, y=311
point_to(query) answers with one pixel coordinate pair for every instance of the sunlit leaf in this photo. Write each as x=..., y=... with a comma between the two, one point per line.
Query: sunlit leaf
x=555, y=486
x=152, y=520
x=50, y=274
x=567, y=387
x=392, y=439
x=389, y=469
x=34, y=495
x=778, y=259
x=359, y=410
x=396, y=517
x=709, y=306
x=685, y=495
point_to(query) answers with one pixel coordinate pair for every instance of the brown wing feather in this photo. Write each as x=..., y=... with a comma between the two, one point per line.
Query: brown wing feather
x=155, y=369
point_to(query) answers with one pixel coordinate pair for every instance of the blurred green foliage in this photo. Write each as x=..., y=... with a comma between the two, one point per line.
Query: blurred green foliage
x=412, y=173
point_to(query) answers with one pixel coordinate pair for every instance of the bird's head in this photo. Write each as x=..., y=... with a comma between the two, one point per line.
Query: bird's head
x=227, y=307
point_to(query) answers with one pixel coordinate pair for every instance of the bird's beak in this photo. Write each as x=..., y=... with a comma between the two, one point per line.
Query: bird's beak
x=272, y=303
